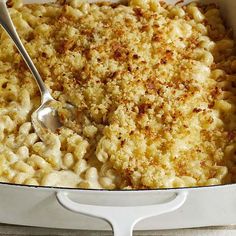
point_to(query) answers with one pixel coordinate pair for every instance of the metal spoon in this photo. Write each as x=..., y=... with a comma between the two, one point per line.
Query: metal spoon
x=46, y=116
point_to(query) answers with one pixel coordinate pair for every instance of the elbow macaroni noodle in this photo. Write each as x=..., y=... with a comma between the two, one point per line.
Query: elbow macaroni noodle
x=154, y=86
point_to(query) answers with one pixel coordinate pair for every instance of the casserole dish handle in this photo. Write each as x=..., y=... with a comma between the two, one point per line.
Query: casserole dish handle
x=122, y=218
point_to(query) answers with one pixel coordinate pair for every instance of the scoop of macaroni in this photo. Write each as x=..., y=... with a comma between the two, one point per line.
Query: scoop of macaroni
x=154, y=87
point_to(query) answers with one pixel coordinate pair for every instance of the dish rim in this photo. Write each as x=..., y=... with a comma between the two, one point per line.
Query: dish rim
x=116, y=190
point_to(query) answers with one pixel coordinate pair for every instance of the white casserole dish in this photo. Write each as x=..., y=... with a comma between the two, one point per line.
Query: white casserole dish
x=164, y=209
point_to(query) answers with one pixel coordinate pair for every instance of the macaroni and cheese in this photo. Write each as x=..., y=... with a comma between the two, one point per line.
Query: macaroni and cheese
x=154, y=87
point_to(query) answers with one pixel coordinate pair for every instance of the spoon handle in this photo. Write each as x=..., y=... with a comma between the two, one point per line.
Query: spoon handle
x=6, y=22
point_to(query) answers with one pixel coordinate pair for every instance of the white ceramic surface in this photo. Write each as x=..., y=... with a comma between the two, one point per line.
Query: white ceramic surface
x=170, y=208
x=39, y=207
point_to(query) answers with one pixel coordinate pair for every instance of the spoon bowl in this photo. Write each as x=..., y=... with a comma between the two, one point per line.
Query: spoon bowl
x=45, y=118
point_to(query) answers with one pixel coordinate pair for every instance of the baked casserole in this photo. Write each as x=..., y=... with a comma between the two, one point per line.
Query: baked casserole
x=154, y=88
